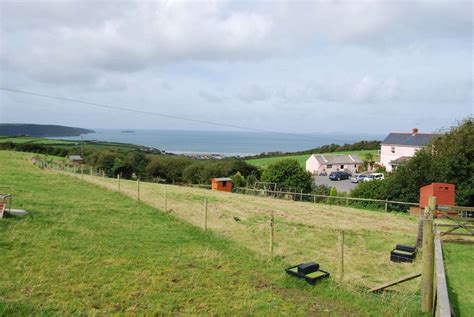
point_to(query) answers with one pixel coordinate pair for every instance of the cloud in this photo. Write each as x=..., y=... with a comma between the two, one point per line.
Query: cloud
x=254, y=93
x=85, y=40
x=210, y=97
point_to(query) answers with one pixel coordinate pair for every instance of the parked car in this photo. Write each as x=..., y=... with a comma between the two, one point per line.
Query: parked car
x=374, y=176
x=337, y=176
x=357, y=178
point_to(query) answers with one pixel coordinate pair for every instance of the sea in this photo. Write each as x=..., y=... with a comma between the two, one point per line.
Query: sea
x=225, y=143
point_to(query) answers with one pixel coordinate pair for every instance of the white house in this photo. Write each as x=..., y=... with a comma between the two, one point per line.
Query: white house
x=399, y=147
x=319, y=163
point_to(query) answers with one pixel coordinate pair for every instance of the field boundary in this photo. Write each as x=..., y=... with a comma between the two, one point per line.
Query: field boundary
x=315, y=197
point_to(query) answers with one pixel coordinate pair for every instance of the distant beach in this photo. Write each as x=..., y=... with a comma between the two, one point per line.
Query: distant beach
x=227, y=143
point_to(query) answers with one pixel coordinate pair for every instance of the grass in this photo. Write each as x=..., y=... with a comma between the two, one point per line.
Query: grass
x=459, y=260
x=91, y=145
x=263, y=162
x=86, y=250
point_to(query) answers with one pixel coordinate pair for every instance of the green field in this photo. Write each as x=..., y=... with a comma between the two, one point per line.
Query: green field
x=70, y=143
x=87, y=250
x=459, y=260
x=302, y=158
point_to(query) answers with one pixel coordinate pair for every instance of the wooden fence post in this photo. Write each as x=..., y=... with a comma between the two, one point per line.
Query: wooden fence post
x=341, y=255
x=205, y=214
x=428, y=257
x=82, y=171
x=138, y=189
x=166, y=200
x=272, y=233
x=386, y=205
x=118, y=182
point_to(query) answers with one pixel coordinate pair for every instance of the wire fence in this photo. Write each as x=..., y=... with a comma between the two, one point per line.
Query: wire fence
x=386, y=205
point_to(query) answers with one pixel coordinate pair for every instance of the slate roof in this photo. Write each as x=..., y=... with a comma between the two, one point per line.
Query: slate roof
x=408, y=139
x=223, y=179
x=399, y=160
x=337, y=159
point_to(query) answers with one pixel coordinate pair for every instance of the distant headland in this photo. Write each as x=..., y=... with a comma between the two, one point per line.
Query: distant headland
x=40, y=130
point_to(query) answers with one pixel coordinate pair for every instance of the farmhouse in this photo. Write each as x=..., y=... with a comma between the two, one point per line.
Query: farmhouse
x=399, y=147
x=320, y=164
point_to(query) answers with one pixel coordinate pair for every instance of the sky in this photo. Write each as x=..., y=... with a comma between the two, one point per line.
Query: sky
x=291, y=66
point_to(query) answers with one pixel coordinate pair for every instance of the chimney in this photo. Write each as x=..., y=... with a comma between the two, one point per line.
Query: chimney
x=414, y=131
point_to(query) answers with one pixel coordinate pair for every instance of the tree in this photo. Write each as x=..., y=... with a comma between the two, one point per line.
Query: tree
x=168, y=167
x=369, y=161
x=238, y=180
x=288, y=174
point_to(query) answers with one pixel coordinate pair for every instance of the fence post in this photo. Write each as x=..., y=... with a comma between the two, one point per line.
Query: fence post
x=205, y=214
x=166, y=200
x=301, y=195
x=428, y=257
x=386, y=205
x=90, y=170
x=118, y=182
x=272, y=233
x=347, y=201
x=138, y=189
x=82, y=171
x=341, y=255
x=314, y=198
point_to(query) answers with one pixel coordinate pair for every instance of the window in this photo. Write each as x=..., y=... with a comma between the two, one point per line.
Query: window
x=329, y=166
x=392, y=149
x=342, y=166
x=355, y=165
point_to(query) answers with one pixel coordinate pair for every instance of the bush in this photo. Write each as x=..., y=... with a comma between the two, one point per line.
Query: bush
x=288, y=174
x=238, y=180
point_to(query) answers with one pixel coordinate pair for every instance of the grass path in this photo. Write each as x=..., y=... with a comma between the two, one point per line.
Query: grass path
x=87, y=250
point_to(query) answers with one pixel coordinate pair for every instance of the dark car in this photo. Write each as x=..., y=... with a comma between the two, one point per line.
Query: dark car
x=337, y=176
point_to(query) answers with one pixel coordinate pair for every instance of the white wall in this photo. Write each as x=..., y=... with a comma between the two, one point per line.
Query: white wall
x=386, y=155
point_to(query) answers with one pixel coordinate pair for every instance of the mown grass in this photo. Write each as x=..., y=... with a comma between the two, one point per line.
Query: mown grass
x=459, y=261
x=263, y=162
x=85, y=250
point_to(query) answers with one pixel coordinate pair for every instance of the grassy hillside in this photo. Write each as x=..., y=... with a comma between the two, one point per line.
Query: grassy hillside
x=70, y=144
x=46, y=130
x=302, y=158
x=88, y=250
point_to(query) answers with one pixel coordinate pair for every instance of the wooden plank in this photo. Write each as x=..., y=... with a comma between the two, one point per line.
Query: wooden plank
x=394, y=282
x=450, y=225
x=456, y=234
x=443, y=307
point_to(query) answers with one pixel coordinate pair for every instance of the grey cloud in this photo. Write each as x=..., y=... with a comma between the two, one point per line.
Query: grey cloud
x=254, y=93
x=210, y=97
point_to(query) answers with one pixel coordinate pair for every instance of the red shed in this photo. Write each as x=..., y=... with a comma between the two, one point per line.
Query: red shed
x=222, y=184
x=443, y=192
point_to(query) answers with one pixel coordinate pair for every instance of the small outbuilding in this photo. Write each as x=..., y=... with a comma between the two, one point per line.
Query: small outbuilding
x=222, y=184
x=76, y=159
x=445, y=194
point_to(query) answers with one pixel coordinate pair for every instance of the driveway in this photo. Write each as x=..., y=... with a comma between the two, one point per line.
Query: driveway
x=341, y=186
